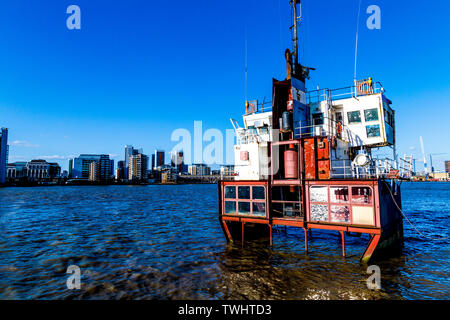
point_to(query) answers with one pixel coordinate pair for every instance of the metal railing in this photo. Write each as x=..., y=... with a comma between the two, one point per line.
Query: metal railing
x=377, y=168
x=254, y=106
x=329, y=95
x=329, y=127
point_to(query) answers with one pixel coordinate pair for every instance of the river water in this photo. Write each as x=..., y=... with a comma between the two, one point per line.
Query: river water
x=165, y=242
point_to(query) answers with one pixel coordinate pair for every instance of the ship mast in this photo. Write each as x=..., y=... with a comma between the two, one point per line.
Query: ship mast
x=294, y=4
x=301, y=72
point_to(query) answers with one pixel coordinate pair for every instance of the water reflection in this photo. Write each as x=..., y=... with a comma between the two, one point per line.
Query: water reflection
x=165, y=242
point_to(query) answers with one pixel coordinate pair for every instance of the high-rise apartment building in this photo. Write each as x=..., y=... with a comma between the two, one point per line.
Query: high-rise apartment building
x=159, y=158
x=128, y=153
x=120, y=171
x=447, y=166
x=3, y=154
x=82, y=166
x=199, y=170
x=177, y=161
x=94, y=171
x=137, y=167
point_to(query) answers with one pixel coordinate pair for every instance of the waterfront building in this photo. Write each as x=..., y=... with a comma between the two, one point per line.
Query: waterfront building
x=169, y=176
x=447, y=166
x=120, y=171
x=199, y=169
x=158, y=158
x=70, y=167
x=441, y=176
x=152, y=168
x=177, y=161
x=94, y=171
x=41, y=170
x=227, y=170
x=17, y=170
x=130, y=151
x=3, y=154
x=82, y=166
x=137, y=167
x=111, y=168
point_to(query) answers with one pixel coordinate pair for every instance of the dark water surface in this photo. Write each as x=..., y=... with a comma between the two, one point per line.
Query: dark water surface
x=165, y=242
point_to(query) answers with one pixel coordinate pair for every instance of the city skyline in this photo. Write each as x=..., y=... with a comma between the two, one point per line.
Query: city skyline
x=71, y=96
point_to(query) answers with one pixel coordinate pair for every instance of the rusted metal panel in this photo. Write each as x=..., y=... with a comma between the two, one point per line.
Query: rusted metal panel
x=310, y=158
x=285, y=222
x=323, y=167
x=323, y=158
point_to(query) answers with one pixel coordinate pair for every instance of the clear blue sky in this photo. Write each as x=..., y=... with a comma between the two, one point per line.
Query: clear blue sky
x=137, y=70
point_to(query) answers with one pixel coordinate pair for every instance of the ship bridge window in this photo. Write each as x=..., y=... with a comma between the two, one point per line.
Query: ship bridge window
x=230, y=207
x=244, y=207
x=342, y=204
x=339, y=194
x=354, y=117
x=389, y=118
x=371, y=115
x=244, y=192
x=248, y=200
x=373, y=131
x=259, y=193
x=362, y=195
x=230, y=192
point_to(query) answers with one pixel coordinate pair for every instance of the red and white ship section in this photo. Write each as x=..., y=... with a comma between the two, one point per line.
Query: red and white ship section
x=307, y=161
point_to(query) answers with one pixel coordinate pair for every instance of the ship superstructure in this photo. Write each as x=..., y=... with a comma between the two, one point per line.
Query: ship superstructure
x=306, y=161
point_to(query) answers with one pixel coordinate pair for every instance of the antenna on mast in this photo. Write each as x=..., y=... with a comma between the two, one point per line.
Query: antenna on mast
x=357, y=37
x=301, y=72
x=294, y=27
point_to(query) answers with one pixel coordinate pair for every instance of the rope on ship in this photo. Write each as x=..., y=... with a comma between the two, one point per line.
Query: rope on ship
x=409, y=221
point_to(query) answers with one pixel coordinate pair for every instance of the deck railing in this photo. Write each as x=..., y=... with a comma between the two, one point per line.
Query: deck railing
x=329, y=95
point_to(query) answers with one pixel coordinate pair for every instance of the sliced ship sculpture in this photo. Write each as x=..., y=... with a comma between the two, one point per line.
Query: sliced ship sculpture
x=306, y=161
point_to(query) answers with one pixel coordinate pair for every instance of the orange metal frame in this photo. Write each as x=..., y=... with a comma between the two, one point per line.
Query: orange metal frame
x=373, y=231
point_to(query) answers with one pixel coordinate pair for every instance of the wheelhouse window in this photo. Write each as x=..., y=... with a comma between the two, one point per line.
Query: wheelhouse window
x=244, y=192
x=230, y=207
x=371, y=115
x=362, y=195
x=259, y=193
x=373, y=131
x=342, y=204
x=354, y=117
x=245, y=200
x=230, y=192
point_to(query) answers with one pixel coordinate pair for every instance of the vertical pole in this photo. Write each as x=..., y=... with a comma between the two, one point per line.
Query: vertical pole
x=242, y=236
x=343, y=243
x=295, y=35
x=270, y=230
x=306, y=239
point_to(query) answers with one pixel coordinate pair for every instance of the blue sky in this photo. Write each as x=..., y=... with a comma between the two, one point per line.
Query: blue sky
x=137, y=70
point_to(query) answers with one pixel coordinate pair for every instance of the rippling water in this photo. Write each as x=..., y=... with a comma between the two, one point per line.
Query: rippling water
x=165, y=242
